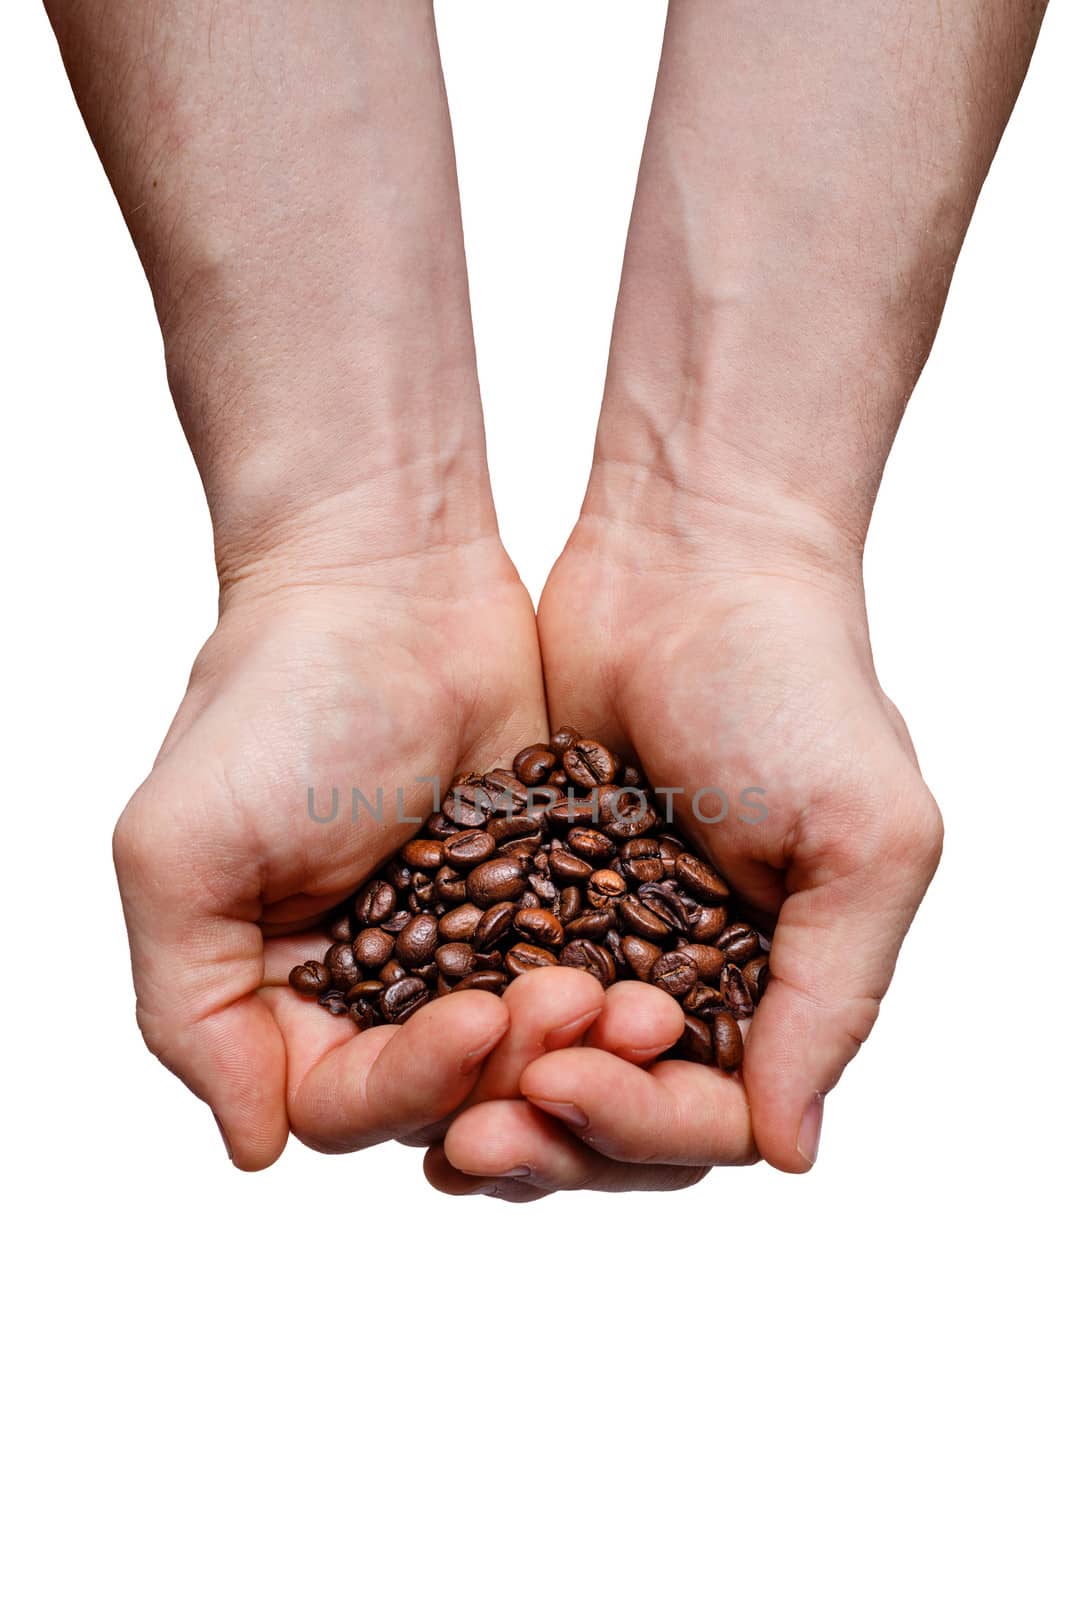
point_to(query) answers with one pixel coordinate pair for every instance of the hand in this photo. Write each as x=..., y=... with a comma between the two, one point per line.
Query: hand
x=714, y=675
x=426, y=664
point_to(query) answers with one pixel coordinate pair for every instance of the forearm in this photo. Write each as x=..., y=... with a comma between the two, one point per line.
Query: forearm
x=808, y=177
x=286, y=171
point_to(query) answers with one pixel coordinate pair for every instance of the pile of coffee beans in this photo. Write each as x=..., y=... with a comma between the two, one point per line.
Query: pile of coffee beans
x=563, y=859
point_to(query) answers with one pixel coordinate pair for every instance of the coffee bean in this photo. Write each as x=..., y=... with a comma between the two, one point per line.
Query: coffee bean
x=365, y=989
x=735, y=991
x=468, y=847
x=492, y=881
x=542, y=888
x=450, y=885
x=492, y=926
x=392, y=972
x=398, y=920
x=640, y=955
x=375, y=902
x=341, y=930
x=373, y=948
x=706, y=923
x=703, y=1000
x=626, y=814
x=461, y=921
x=563, y=738
x=591, y=925
x=488, y=960
x=739, y=943
x=439, y=826
x=334, y=1002
x=591, y=845
x=674, y=973
x=454, y=960
x=640, y=919
x=695, y=1043
x=567, y=868
x=534, y=764
x=603, y=886
x=708, y=960
x=540, y=926
x=526, y=957
x=310, y=977
x=424, y=855
x=589, y=957
x=696, y=876
x=587, y=763
x=572, y=810
x=570, y=903
x=343, y=966
x=756, y=974
x=491, y=982
x=506, y=829
x=665, y=902
x=403, y=998
x=416, y=943
x=467, y=805
x=363, y=1013
x=728, y=1045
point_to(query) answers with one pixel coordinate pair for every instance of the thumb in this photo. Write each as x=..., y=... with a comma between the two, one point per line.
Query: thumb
x=832, y=957
x=196, y=970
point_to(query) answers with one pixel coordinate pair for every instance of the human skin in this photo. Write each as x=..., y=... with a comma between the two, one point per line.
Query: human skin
x=808, y=176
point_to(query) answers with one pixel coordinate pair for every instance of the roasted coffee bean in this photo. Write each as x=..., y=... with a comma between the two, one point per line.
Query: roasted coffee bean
x=454, y=960
x=739, y=943
x=310, y=977
x=375, y=902
x=467, y=805
x=572, y=810
x=392, y=972
x=334, y=1002
x=341, y=930
x=373, y=948
x=566, y=868
x=706, y=923
x=728, y=1045
x=700, y=879
x=626, y=814
x=667, y=903
x=400, y=919
x=640, y=955
x=468, y=847
x=563, y=738
x=461, y=921
x=603, y=886
x=343, y=966
x=424, y=855
x=695, y=1043
x=400, y=875
x=756, y=974
x=363, y=1013
x=540, y=926
x=703, y=1000
x=403, y=998
x=589, y=957
x=507, y=793
x=365, y=989
x=674, y=973
x=735, y=991
x=491, y=982
x=613, y=942
x=416, y=943
x=708, y=960
x=488, y=960
x=669, y=851
x=506, y=829
x=492, y=926
x=591, y=845
x=440, y=827
x=587, y=763
x=570, y=903
x=641, y=919
x=496, y=880
x=450, y=885
x=526, y=957
x=534, y=764
x=421, y=898
x=528, y=901
x=520, y=851
x=541, y=887
x=591, y=925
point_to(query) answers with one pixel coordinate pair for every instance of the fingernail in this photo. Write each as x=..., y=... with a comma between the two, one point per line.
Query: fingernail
x=566, y=1031
x=222, y=1132
x=810, y=1128
x=571, y=1114
x=514, y=1172
x=475, y=1057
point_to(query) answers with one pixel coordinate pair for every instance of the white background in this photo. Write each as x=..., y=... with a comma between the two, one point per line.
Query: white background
x=327, y=1379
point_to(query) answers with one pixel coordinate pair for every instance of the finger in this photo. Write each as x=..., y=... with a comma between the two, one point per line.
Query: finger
x=638, y=1022
x=196, y=972
x=443, y=1177
x=832, y=957
x=385, y=1082
x=512, y=1140
x=547, y=1008
x=675, y=1112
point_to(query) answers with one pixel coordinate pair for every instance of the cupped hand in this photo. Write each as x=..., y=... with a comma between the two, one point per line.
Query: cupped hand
x=423, y=666
x=726, y=677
